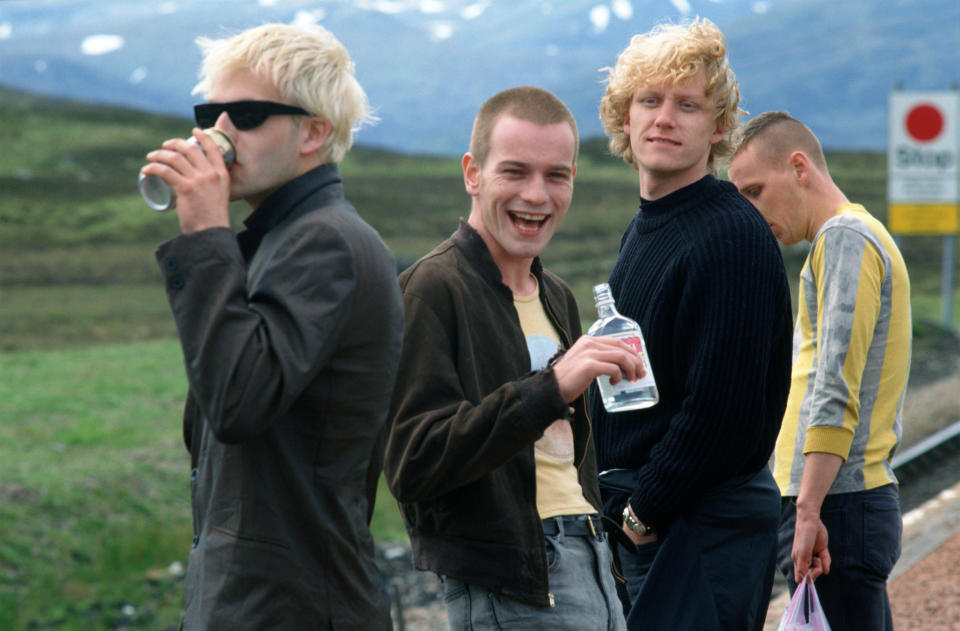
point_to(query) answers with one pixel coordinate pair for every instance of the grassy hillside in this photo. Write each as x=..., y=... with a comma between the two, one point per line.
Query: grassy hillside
x=94, y=504
x=94, y=511
x=76, y=241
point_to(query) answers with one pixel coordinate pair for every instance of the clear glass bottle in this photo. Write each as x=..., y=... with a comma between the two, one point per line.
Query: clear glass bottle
x=624, y=395
x=158, y=194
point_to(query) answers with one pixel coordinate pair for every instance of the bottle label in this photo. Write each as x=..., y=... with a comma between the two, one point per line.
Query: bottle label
x=633, y=341
x=647, y=380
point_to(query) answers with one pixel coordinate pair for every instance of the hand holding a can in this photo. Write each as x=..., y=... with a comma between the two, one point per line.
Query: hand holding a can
x=195, y=171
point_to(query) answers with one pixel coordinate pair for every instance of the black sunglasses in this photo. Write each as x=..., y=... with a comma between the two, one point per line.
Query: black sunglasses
x=243, y=114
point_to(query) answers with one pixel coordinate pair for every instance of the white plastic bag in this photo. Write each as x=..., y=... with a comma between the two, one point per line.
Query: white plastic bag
x=804, y=612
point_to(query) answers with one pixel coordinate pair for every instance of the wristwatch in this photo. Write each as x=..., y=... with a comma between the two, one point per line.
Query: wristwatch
x=635, y=525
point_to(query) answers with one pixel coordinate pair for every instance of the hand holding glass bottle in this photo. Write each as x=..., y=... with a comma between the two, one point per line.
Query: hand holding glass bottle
x=625, y=394
x=590, y=357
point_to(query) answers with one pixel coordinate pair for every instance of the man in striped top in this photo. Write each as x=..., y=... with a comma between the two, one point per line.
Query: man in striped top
x=851, y=356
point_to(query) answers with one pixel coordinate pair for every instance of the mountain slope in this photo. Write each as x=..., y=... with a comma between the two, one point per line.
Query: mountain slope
x=427, y=65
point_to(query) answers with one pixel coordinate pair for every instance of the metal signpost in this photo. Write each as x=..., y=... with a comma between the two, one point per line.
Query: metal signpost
x=922, y=170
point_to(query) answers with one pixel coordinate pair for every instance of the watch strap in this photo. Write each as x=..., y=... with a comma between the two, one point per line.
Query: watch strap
x=634, y=524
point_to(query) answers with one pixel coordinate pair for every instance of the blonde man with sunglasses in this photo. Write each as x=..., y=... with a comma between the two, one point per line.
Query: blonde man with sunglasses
x=291, y=337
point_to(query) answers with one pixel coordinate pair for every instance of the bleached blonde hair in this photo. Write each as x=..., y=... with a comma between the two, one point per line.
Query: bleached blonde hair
x=672, y=54
x=308, y=66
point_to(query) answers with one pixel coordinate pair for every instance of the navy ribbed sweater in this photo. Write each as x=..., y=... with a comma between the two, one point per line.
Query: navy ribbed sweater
x=702, y=274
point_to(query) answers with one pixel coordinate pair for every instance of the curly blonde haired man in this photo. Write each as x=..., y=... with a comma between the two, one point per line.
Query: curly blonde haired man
x=699, y=270
x=673, y=55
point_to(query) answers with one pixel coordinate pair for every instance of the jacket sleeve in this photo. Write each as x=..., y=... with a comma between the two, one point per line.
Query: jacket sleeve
x=440, y=439
x=251, y=352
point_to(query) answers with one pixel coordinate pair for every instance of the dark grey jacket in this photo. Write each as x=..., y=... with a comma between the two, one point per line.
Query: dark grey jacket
x=465, y=415
x=291, y=357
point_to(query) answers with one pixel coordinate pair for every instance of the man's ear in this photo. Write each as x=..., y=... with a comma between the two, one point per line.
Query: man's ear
x=314, y=135
x=799, y=165
x=717, y=135
x=471, y=174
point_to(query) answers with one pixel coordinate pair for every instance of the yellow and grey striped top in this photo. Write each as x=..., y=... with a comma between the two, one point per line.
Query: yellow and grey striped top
x=851, y=355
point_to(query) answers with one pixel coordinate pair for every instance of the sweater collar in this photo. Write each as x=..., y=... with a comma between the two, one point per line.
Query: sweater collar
x=471, y=243
x=320, y=183
x=679, y=197
x=654, y=213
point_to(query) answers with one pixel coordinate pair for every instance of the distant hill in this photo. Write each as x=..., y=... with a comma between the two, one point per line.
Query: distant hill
x=427, y=69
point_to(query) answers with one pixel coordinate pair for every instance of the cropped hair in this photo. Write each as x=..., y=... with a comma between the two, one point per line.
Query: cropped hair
x=527, y=103
x=308, y=66
x=777, y=134
x=672, y=54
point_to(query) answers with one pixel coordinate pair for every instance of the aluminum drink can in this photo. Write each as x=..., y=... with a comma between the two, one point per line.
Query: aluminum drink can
x=159, y=196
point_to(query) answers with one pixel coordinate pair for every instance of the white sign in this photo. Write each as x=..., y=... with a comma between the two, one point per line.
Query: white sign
x=923, y=147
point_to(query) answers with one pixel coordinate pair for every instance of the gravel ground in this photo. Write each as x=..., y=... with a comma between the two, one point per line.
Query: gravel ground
x=416, y=597
x=927, y=596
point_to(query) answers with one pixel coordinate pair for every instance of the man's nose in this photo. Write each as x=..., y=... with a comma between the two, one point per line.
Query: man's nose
x=223, y=121
x=666, y=115
x=535, y=190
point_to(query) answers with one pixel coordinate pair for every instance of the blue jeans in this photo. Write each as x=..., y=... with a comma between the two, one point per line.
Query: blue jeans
x=863, y=531
x=581, y=583
x=712, y=569
x=635, y=562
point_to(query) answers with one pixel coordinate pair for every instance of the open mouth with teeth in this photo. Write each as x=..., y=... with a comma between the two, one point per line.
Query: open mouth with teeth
x=528, y=223
x=663, y=141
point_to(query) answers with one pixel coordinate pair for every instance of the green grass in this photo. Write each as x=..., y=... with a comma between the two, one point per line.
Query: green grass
x=93, y=484
x=94, y=502
x=94, y=487
x=54, y=316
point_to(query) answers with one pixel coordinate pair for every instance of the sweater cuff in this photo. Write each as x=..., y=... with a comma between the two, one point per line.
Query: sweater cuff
x=829, y=440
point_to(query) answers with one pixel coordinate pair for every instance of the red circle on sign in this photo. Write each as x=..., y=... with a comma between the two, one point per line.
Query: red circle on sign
x=924, y=122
